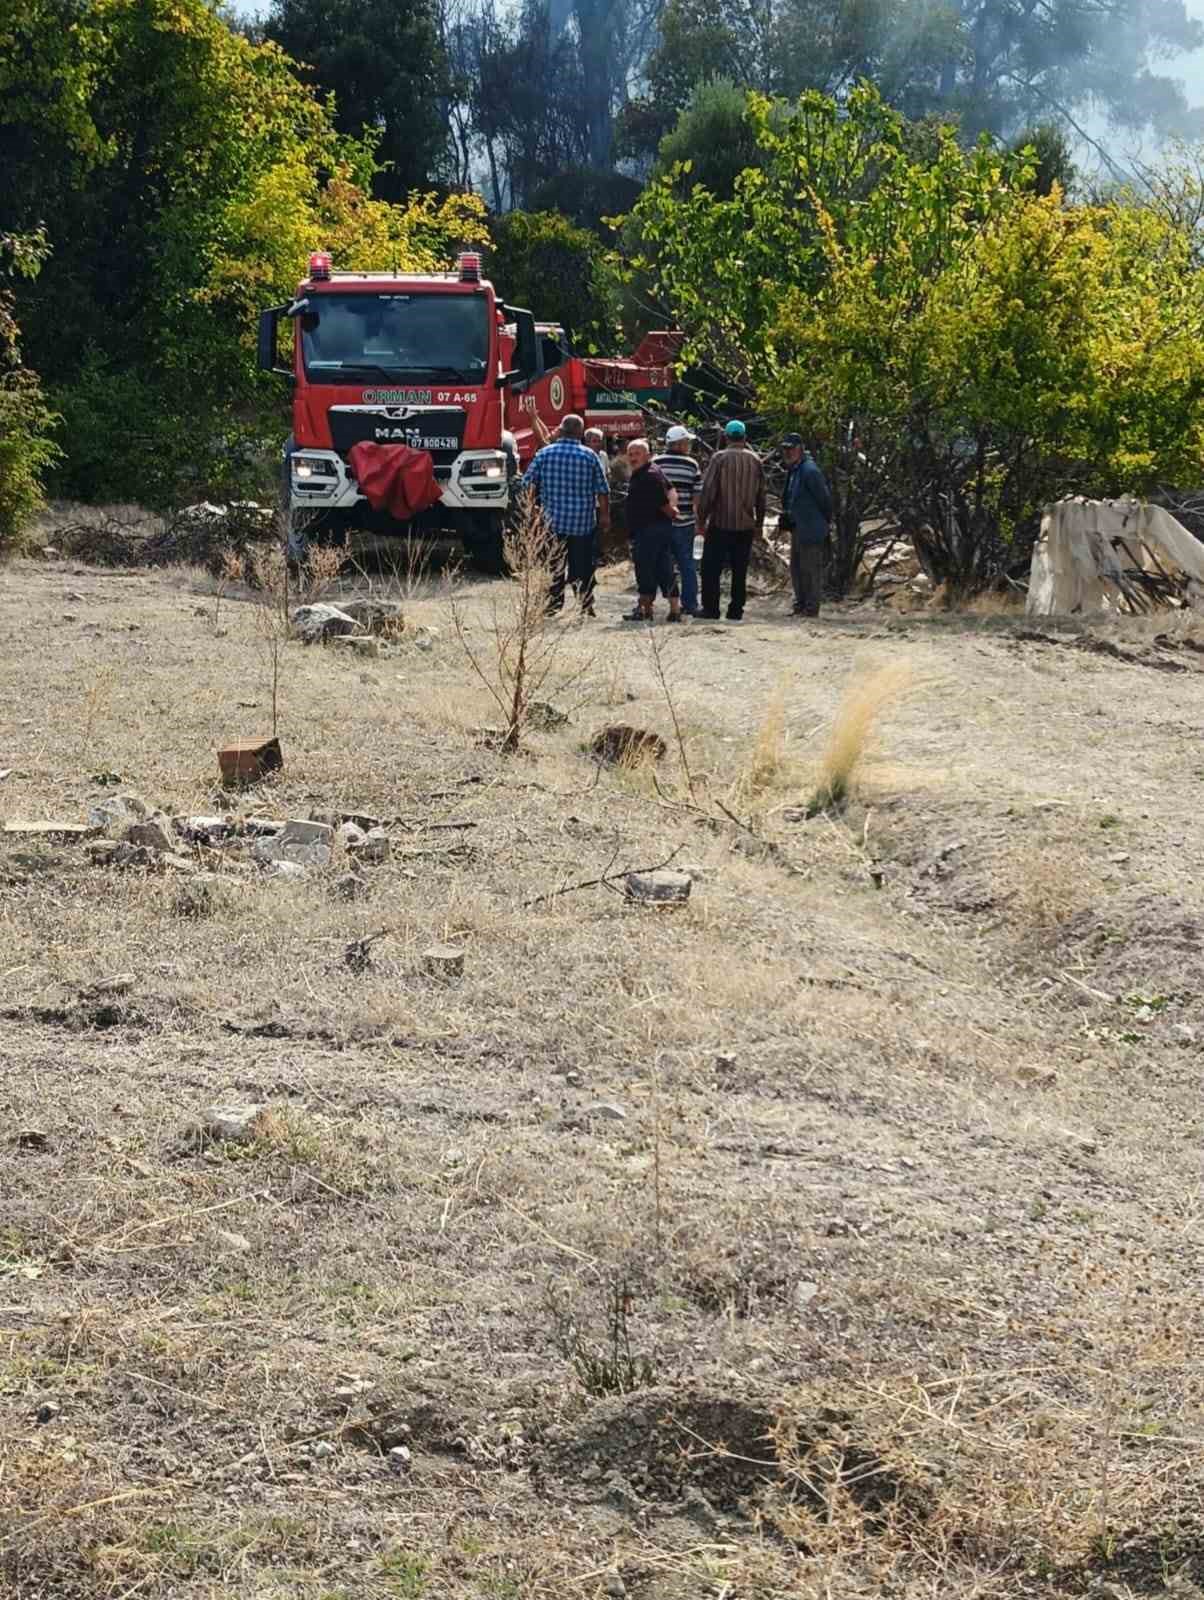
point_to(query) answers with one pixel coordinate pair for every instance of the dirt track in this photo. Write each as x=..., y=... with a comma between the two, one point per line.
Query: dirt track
x=908, y=1176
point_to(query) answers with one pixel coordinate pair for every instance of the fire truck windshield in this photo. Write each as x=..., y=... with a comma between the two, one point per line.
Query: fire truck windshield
x=397, y=336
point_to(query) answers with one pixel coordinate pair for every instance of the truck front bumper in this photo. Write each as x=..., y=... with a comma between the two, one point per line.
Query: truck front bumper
x=320, y=480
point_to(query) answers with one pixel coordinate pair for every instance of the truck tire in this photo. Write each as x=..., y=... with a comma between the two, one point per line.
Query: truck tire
x=485, y=544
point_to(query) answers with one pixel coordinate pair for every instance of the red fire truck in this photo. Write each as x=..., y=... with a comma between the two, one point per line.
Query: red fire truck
x=438, y=362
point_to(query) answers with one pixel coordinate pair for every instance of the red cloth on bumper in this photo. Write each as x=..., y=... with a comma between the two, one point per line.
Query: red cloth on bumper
x=395, y=478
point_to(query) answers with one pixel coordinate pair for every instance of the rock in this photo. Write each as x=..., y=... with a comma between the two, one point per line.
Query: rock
x=350, y=835
x=443, y=961
x=373, y=847
x=51, y=553
x=137, y=856
x=725, y=1063
x=268, y=827
x=233, y=1124
x=358, y=644
x=153, y=832
x=377, y=616
x=804, y=1293
x=233, y=1241
x=400, y=1458
x=1184, y=1033
x=316, y=623
x=300, y=844
x=627, y=746
x=693, y=871
x=203, y=830
x=423, y=641
x=292, y=870
x=248, y=760
x=361, y=819
x=605, y=1111
x=323, y=1450
x=118, y=812
x=540, y=714
x=47, y=1411
x=31, y=1139
x=48, y=832
x=837, y=1228
x=615, y=1586
x=352, y=887
x=659, y=888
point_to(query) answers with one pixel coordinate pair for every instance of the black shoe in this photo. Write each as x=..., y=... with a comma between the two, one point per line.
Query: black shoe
x=635, y=616
x=708, y=616
x=674, y=616
x=735, y=616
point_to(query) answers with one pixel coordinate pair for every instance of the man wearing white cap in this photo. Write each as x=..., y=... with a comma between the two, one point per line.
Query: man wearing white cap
x=684, y=475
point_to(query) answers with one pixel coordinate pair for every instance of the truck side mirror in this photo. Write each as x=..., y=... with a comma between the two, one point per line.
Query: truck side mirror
x=268, y=360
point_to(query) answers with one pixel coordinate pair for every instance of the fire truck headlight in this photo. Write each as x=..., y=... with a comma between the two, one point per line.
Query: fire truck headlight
x=485, y=467
x=312, y=467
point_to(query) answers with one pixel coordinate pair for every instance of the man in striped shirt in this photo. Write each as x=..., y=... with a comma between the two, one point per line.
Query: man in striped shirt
x=684, y=475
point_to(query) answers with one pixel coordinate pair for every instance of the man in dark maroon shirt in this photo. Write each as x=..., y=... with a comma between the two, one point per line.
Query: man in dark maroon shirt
x=651, y=507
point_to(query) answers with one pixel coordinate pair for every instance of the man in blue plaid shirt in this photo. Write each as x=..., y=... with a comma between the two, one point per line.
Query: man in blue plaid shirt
x=574, y=496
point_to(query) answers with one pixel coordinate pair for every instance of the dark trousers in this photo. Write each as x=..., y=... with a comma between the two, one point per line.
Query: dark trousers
x=573, y=562
x=653, y=548
x=807, y=575
x=726, y=547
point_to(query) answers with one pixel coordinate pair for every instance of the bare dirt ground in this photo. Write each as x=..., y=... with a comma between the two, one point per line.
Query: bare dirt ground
x=838, y=1234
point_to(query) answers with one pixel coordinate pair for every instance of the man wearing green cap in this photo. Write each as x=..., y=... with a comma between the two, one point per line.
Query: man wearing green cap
x=731, y=509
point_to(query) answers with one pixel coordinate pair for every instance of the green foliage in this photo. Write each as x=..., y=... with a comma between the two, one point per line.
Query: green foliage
x=713, y=142
x=559, y=271
x=960, y=346
x=27, y=449
x=385, y=65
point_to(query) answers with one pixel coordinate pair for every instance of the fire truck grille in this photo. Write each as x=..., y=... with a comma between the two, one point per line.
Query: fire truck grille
x=440, y=432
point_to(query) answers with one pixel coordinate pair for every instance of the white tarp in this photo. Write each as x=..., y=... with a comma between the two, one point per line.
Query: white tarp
x=1087, y=546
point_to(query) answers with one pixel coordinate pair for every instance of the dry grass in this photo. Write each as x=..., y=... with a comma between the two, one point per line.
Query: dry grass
x=853, y=727
x=1044, y=885
x=902, y=1298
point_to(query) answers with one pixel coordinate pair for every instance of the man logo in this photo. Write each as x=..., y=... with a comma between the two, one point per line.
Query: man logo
x=556, y=394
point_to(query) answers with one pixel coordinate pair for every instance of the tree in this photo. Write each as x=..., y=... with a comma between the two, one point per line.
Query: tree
x=560, y=271
x=50, y=56
x=960, y=347
x=713, y=141
x=384, y=62
x=1022, y=353
x=27, y=423
x=1012, y=63
x=986, y=65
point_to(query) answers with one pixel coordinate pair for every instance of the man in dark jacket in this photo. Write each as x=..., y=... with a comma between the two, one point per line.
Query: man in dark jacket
x=806, y=513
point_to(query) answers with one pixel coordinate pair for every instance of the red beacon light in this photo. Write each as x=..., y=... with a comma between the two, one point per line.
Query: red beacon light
x=319, y=266
x=470, y=268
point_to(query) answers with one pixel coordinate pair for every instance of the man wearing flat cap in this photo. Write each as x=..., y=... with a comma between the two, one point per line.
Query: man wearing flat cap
x=806, y=513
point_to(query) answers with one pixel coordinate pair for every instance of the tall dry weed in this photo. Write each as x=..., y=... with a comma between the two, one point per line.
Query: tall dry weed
x=523, y=659
x=769, y=764
x=853, y=728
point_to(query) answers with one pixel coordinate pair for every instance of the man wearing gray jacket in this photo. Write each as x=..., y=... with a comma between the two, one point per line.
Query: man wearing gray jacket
x=806, y=513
